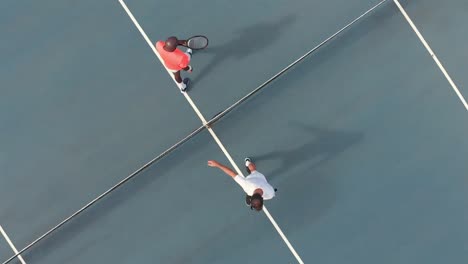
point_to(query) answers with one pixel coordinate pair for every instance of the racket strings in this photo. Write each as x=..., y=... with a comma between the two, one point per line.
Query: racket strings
x=197, y=42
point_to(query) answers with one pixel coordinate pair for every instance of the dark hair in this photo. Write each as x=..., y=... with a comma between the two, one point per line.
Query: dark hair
x=171, y=44
x=256, y=202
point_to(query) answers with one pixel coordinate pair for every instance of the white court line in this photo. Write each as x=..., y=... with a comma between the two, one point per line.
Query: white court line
x=426, y=45
x=215, y=137
x=7, y=238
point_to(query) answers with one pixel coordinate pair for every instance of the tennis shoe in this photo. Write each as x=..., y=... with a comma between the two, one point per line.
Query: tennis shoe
x=184, y=85
x=247, y=162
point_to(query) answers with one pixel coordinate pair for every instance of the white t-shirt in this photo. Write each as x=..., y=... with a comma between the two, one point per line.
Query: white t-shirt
x=254, y=181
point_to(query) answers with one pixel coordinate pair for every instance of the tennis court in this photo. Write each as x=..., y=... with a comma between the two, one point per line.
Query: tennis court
x=5, y=249
x=365, y=139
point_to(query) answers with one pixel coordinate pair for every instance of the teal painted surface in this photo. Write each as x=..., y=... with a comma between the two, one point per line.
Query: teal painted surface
x=365, y=140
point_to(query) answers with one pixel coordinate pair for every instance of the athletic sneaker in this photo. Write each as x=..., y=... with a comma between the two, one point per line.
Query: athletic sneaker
x=247, y=160
x=184, y=85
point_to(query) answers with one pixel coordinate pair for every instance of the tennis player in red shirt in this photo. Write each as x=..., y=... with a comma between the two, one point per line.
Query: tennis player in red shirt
x=175, y=59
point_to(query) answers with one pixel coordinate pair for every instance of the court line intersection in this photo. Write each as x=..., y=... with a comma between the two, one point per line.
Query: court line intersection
x=213, y=134
x=12, y=246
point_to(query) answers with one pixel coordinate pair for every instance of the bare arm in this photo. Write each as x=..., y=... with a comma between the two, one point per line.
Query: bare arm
x=225, y=169
x=182, y=42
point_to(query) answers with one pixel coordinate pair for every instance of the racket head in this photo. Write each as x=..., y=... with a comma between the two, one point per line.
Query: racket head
x=197, y=42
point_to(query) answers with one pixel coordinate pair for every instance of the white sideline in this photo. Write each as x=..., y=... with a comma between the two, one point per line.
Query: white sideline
x=215, y=137
x=7, y=238
x=426, y=45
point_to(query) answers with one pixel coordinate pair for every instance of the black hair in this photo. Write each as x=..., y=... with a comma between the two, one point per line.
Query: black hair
x=256, y=202
x=171, y=44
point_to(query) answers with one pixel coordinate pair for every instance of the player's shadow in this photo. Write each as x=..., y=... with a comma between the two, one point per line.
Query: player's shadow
x=324, y=145
x=248, y=41
x=312, y=190
x=301, y=176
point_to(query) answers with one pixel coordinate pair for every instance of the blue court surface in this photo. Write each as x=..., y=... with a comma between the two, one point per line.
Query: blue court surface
x=365, y=139
x=5, y=250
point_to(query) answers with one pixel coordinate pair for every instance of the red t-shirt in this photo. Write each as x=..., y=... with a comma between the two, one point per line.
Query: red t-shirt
x=176, y=60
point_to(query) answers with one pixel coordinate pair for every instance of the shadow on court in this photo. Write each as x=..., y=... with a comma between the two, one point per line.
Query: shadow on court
x=248, y=41
x=333, y=49
x=322, y=145
x=310, y=189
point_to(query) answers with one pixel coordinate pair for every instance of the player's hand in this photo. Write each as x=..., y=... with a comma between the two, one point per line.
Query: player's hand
x=213, y=163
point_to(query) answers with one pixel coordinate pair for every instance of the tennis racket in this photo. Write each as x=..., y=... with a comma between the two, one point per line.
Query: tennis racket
x=197, y=42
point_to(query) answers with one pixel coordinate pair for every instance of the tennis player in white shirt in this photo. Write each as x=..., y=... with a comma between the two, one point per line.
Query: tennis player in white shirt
x=255, y=184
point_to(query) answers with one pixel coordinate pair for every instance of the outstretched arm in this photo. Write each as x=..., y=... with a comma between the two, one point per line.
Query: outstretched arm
x=225, y=169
